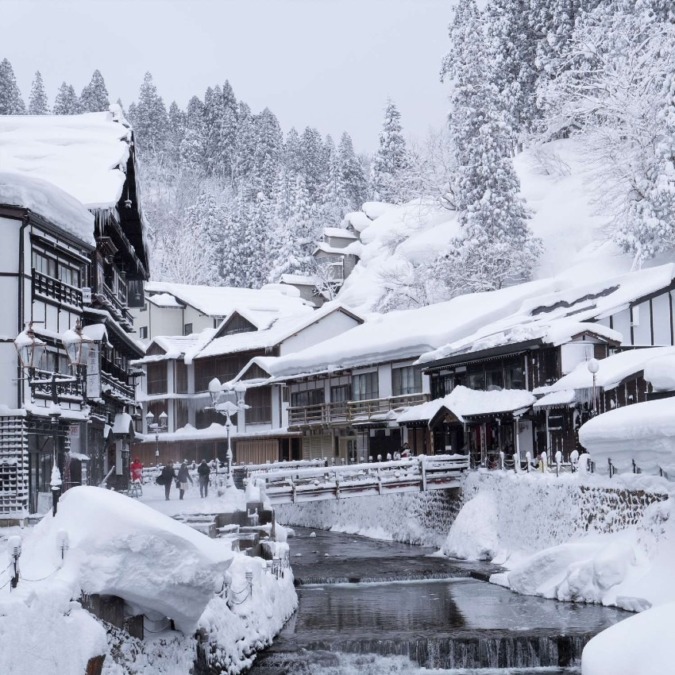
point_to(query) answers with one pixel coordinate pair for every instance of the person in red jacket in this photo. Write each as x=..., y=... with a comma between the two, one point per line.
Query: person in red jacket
x=137, y=470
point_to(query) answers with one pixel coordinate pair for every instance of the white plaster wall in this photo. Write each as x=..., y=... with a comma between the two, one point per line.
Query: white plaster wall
x=661, y=314
x=198, y=320
x=330, y=326
x=642, y=334
x=621, y=323
x=384, y=380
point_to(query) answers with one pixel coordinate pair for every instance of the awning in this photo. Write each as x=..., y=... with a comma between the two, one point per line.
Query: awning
x=556, y=399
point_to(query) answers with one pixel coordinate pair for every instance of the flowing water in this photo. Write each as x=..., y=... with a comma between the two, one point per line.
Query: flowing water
x=372, y=607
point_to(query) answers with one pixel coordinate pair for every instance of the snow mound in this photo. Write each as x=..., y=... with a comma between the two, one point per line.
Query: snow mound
x=644, y=432
x=473, y=535
x=121, y=547
x=640, y=645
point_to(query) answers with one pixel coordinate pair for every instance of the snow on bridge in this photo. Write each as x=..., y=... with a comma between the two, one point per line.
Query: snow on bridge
x=284, y=483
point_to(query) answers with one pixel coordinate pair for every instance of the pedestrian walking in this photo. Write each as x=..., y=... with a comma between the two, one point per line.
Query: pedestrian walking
x=204, y=472
x=183, y=478
x=167, y=477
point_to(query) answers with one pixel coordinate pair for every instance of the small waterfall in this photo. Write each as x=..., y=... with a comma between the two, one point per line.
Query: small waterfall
x=469, y=652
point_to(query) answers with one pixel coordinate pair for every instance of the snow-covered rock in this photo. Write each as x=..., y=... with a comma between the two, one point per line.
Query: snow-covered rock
x=473, y=535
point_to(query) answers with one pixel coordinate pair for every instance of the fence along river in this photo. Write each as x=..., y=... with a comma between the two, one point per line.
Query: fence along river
x=372, y=607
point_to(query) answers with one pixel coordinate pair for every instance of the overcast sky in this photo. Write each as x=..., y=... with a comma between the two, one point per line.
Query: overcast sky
x=331, y=64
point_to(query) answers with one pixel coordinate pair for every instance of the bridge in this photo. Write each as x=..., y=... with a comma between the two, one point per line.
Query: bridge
x=286, y=482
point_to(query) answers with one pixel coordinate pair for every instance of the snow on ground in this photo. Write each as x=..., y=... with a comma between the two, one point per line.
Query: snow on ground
x=159, y=566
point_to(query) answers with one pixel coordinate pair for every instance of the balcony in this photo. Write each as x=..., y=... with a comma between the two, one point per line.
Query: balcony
x=110, y=300
x=56, y=386
x=333, y=414
x=53, y=289
x=117, y=389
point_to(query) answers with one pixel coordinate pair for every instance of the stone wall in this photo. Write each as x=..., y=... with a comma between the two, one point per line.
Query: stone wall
x=534, y=510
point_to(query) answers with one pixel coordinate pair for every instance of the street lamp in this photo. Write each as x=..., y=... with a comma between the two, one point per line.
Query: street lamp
x=157, y=428
x=55, y=482
x=78, y=347
x=29, y=347
x=593, y=366
x=227, y=401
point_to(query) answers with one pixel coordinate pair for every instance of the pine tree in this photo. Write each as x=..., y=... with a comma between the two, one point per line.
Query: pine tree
x=176, y=131
x=496, y=247
x=353, y=177
x=391, y=161
x=334, y=202
x=192, y=152
x=314, y=165
x=228, y=131
x=94, y=97
x=38, y=104
x=149, y=118
x=512, y=46
x=267, y=154
x=11, y=102
x=293, y=159
x=66, y=101
x=245, y=144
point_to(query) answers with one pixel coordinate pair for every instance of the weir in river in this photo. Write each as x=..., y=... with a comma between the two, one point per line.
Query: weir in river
x=361, y=612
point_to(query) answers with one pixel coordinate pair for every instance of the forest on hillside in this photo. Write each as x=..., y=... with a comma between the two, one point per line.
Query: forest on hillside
x=232, y=200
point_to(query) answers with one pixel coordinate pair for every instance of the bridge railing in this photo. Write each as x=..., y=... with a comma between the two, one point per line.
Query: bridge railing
x=416, y=473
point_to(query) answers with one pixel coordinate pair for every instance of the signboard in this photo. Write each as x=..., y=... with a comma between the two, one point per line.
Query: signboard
x=94, y=372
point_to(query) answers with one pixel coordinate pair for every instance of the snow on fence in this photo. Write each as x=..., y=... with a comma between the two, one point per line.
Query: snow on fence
x=419, y=474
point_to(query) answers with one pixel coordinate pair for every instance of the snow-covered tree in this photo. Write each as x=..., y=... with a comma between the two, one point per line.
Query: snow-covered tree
x=149, y=118
x=11, y=102
x=391, y=160
x=66, y=101
x=38, y=104
x=495, y=246
x=192, y=150
x=314, y=164
x=620, y=95
x=94, y=97
x=352, y=175
x=267, y=154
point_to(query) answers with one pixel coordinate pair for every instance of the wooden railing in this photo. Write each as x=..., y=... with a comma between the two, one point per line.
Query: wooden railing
x=49, y=287
x=349, y=411
x=116, y=389
x=282, y=484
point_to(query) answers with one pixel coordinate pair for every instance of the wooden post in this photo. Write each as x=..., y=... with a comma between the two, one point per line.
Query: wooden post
x=424, y=474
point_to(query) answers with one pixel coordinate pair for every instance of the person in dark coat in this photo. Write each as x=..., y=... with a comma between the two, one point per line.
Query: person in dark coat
x=183, y=478
x=204, y=472
x=168, y=476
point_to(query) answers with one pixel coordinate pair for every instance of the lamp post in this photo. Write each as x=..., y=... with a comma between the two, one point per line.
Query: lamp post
x=227, y=401
x=593, y=366
x=55, y=482
x=157, y=428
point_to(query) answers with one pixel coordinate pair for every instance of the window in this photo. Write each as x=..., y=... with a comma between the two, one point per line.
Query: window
x=302, y=399
x=365, y=387
x=260, y=400
x=187, y=329
x=476, y=379
x=406, y=380
x=156, y=383
x=65, y=271
x=181, y=377
x=340, y=394
x=143, y=332
x=223, y=367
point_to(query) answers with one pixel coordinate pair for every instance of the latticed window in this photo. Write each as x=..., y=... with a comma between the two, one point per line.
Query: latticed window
x=156, y=378
x=260, y=400
x=407, y=380
x=181, y=377
x=365, y=386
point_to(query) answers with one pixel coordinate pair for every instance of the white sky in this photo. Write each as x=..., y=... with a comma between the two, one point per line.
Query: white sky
x=324, y=63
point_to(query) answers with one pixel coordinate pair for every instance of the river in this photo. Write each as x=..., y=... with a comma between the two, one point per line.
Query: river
x=373, y=607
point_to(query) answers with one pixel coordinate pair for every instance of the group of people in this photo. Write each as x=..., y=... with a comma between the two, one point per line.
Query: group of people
x=168, y=476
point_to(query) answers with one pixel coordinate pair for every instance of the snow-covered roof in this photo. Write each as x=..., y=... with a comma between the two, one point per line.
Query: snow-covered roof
x=556, y=399
x=221, y=301
x=358, y=220
x=268, y=336
x=96, y=331
x=47, y=200
x=403, y=334
x=338, y=233
x=164, y=300
x=123, y=423
x=298, y=280
x=660, y=372
x=333, y=250
x=84, y=155
x=465, y=402
x=175, y=346
x=567, y=309
x=611, y=372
